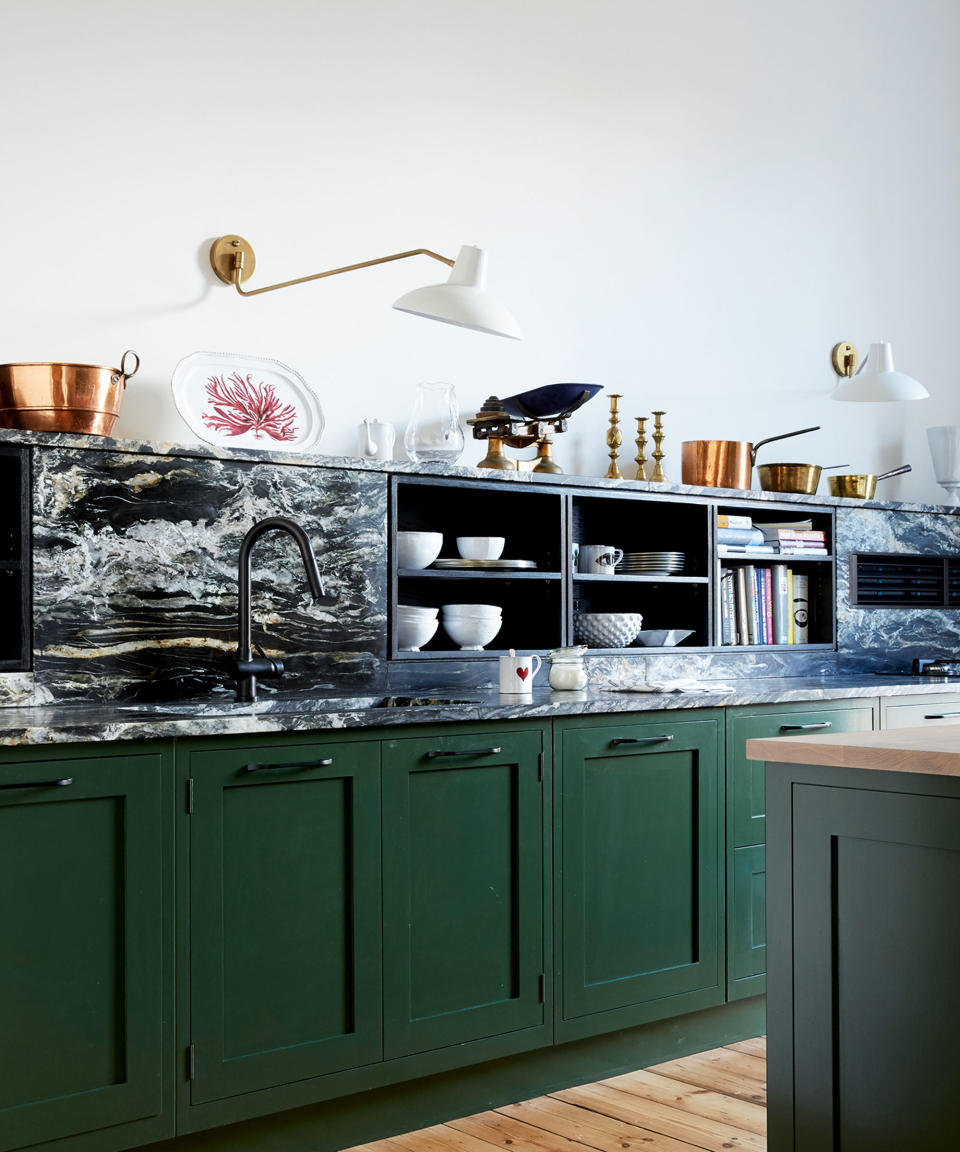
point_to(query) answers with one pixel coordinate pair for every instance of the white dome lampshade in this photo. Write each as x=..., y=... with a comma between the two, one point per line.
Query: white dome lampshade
x=463, y=300
x=880, y=382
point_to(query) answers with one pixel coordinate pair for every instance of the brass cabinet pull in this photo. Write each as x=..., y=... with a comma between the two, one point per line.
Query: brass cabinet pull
x=293, y=764
x=465, y=752
x=40, y=784
x=641, y=739
x=805, y=727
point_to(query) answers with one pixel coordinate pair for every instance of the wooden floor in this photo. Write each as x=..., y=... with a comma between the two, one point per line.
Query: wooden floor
x=714, y=1100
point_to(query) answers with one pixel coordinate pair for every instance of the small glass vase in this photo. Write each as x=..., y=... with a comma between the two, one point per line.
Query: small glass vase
x=434, y=432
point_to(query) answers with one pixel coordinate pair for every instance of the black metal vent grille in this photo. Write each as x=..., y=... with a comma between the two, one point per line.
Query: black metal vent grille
x=900, y=580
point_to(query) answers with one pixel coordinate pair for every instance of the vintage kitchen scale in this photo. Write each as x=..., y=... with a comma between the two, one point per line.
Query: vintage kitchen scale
x=528, y=418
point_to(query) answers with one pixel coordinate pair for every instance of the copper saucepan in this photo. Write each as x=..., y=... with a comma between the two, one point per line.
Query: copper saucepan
x=862, y=486
x=63, y=397
x=725, y=463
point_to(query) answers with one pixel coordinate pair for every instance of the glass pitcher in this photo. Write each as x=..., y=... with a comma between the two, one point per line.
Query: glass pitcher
x=434, y=431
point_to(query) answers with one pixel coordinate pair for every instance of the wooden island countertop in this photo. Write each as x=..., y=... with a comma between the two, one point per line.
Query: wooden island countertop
x=933, y=751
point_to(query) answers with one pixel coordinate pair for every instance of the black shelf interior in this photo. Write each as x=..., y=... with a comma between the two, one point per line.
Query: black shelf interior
x=661, y=603
x=532, y=611
x=15, y=622
x=638, y=525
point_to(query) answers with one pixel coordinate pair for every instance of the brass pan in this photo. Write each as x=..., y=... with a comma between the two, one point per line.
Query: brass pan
x=862, y=486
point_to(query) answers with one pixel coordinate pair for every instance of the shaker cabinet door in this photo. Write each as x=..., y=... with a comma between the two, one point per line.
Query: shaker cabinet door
x=640, y=880
x=83, y=946
x=463, y=888
x=284, y=914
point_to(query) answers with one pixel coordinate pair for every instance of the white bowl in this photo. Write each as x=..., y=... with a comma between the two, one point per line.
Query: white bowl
x=663, y=637
x=412, y=634
x=484, y=611
x=418, y=549
x=480, y=547
x=607, y=629
x=471, y=635
x=412, y=612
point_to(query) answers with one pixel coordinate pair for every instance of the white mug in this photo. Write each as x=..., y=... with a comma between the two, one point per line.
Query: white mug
x=599, y=558
x=375, y=440
x=517, y=673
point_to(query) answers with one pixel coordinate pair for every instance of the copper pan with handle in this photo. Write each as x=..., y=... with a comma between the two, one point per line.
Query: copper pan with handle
x=64, y=397
x=725, y=463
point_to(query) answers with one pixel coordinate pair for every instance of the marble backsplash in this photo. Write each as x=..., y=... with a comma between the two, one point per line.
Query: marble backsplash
x=135, y=578
x=135, y=573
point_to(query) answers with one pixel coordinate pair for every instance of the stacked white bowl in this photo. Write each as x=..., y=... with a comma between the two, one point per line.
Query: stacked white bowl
x=415, y=626
x=472, y=625
x=418, y=549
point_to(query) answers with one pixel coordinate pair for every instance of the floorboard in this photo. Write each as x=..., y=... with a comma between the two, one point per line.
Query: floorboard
x=713, y=1101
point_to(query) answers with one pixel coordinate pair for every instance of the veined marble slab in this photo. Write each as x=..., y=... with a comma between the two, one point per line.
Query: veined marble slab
x=108, y=721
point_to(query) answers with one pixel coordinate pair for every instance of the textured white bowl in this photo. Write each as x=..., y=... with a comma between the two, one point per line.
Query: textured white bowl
x=418, y=549
x=663, y=637
x=471, y=635
x=607, y=629
x=483, y=611
x=412, y=612
x=480, y=547
x=412, y=634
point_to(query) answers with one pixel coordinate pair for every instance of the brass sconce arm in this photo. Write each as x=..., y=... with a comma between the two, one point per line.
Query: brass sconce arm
x=233, y=260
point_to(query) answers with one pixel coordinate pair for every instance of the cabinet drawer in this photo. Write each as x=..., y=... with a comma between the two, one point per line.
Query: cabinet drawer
x=936, y=710
x=745, y=791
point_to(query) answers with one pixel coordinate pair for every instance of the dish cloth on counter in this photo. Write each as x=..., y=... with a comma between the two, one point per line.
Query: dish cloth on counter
x=710, y=686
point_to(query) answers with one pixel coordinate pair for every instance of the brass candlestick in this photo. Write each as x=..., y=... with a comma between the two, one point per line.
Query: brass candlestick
x=614, y=438
x=658, y=453
x=641, y=444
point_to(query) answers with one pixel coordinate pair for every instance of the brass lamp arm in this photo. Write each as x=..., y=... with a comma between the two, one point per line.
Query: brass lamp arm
x=232, y=259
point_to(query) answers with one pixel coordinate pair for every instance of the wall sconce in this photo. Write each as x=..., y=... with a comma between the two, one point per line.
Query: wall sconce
x=463, y=300
x=880, y=382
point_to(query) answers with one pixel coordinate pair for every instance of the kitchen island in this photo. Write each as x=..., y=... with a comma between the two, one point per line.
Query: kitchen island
x=863, y=876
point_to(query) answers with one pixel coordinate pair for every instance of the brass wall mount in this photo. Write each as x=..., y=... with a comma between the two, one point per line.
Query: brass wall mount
x=844, y=359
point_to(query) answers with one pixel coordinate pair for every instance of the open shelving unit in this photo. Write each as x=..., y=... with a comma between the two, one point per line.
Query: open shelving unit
x=15, y=622
x=543, y=523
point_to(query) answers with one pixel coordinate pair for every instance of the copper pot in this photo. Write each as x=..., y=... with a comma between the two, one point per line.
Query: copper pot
x=724, y=463
x=862, y=486
x=63, y=397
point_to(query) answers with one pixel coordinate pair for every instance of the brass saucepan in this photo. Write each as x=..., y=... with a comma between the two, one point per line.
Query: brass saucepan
x=724, y=463
x=861, y=486
x=801, y=478
x=63, y=397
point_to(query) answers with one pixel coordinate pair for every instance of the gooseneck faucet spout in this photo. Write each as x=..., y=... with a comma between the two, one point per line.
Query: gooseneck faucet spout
x=249, y=667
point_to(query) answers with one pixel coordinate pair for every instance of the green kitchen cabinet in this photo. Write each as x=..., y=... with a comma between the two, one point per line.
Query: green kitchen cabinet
x=284, y=912
x=638, y=828
x=746, y=822
x=86, y=966
x=463, y=906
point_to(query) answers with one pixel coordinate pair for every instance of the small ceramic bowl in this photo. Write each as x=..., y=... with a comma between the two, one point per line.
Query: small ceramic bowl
x=479, y=611
x=412, y=634
x=418, y=549
x=411, y=612
x=471, y=635
x=480, y=547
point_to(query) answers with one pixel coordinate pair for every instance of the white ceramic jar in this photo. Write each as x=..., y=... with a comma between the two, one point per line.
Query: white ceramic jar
x=567, y=671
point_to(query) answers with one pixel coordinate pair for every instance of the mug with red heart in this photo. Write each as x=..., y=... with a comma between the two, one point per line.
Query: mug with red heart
x=517, y=673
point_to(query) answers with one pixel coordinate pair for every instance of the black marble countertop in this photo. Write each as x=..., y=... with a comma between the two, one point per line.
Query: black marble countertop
x=60, y=724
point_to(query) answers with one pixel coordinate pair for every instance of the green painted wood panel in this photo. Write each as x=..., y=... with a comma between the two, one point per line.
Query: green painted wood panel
x=745, y=793
x=875, y=998
x=81, y=966
x=463, y=904
x=284, y=914
x=640, y=864
x=747, y=929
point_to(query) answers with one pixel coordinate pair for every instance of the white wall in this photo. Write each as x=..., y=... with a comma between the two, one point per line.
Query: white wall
x=687, y=201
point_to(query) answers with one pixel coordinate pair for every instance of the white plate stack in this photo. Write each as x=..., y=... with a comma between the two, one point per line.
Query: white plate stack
x=651, y=563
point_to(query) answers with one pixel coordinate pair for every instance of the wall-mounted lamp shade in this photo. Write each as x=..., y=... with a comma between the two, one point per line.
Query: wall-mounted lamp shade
x=463, y=300
x=876, y=381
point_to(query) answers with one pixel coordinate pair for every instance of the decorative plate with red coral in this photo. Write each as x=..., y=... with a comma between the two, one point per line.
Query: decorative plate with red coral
x=246, y=402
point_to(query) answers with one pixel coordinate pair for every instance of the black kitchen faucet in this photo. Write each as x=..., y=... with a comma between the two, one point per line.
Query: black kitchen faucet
x=247, y=666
